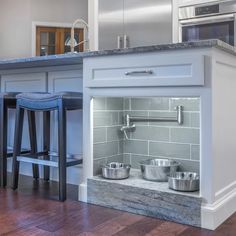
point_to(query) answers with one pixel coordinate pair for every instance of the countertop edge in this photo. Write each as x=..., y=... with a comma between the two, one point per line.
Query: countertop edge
x=77, y=58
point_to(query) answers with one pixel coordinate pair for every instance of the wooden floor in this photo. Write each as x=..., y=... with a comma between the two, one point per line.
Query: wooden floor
x=34, y=210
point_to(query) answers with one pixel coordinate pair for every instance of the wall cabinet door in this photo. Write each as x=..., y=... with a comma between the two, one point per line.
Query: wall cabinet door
x=111, y=23
x=52, y=40
x=147, y=22
x=133, y=23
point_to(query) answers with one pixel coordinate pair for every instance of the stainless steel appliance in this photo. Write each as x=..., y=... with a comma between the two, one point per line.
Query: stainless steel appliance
x=208, y=21
x=131, y=23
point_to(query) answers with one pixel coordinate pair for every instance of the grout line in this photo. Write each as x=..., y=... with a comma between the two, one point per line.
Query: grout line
x=158, y=156
x=158, y=126
x=146, y=140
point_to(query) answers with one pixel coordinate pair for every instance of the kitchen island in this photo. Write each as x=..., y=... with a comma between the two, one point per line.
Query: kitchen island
x=203, y=70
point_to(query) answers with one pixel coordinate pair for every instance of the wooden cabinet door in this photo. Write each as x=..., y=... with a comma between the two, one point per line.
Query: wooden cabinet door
x=51, y=40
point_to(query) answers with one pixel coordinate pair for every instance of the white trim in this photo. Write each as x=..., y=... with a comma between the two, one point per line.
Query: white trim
x=175, y=21
x=93, y=24
x=215, y=214
x=225, y=191
x=83, y=192
x=47, y=24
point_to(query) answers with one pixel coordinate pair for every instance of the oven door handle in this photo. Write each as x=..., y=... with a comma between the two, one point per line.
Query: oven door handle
x=208, y=19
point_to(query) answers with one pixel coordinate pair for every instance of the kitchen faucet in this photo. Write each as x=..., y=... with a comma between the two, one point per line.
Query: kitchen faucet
x=85, y=41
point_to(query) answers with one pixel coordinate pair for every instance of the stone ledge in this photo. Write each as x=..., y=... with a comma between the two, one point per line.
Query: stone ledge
x=152, y=199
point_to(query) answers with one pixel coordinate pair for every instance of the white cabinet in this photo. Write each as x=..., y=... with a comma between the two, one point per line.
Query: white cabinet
x=24, y=82
x=144, y=70
x=68, y=80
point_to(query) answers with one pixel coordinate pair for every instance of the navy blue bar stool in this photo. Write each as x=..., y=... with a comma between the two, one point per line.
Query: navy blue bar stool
x=45, y=102
x=8, y=101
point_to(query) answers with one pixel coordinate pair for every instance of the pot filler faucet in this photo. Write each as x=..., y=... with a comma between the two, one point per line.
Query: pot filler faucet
x=129, y=126
x=85, y=41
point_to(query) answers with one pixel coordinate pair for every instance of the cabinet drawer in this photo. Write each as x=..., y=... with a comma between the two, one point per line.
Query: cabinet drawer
x=144, y=70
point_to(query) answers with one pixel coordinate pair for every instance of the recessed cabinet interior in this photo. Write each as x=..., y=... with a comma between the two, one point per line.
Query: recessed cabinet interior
x=133, y=23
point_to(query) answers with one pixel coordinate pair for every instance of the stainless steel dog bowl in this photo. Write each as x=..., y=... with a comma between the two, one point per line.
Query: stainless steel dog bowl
x=116, y=170
x=158, y=169
x=184, y=181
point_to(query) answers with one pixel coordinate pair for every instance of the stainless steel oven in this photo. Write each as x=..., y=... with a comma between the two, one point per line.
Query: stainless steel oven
x=208, y=21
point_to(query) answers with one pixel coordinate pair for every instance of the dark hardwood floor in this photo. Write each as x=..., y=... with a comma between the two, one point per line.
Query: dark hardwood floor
x=34, y=210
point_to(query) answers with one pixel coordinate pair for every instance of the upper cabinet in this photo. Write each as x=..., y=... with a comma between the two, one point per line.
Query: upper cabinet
x=132, y=23
x=54, y=40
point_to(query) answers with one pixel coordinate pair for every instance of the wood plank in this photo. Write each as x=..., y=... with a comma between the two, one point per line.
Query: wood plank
x=31, y=211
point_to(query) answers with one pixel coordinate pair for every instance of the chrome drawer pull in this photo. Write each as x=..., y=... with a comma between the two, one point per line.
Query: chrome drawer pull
x=139, y=72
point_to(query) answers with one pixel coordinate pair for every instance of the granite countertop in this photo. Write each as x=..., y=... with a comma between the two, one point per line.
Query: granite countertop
x=77, y=58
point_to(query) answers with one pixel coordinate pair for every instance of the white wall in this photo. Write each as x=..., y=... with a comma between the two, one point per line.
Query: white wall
x=15, y=39
x=16, y=19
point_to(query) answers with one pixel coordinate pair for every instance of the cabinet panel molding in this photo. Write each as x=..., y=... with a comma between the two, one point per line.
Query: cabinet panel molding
x=25, y=82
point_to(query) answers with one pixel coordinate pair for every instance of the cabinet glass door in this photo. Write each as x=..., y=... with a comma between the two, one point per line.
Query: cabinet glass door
x=54, y=40
x=111, y=22
x=79, y=37
x=47, y=42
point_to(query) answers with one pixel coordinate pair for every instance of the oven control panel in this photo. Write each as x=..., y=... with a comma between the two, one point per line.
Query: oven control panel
x=205, y=10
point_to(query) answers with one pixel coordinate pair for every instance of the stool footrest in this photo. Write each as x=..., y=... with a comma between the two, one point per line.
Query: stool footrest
x=10, y=152
x=48, y=160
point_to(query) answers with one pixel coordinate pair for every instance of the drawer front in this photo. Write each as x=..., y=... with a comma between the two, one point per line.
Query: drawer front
x=144, y=70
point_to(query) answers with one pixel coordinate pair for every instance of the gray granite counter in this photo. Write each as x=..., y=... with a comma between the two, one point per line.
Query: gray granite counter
x=77, y=58
x=140, y=196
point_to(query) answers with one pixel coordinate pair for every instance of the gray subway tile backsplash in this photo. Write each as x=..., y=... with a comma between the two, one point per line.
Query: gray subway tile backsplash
x=101, y=150
x=195, y=152
x=99, y=134
x=157, y=103
x=171, y=150
x=99, y=103
x=135, y=146
x=185, y=135
x=195, y=119
x=106, y=118
x=114, y=133
x=151, y=133
x=114, y=104
x=149, y=139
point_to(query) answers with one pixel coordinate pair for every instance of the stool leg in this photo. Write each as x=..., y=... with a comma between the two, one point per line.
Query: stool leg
x=3, y=144
x=46, y=141
x=17, y=146
x=33, y=141
x=62, y=151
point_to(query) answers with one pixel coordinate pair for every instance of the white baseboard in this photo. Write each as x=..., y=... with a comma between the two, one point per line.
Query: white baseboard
x=83, y=192
x=215, y=214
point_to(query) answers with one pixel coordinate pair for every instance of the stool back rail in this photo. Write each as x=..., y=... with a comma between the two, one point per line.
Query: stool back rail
x=45, y=102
